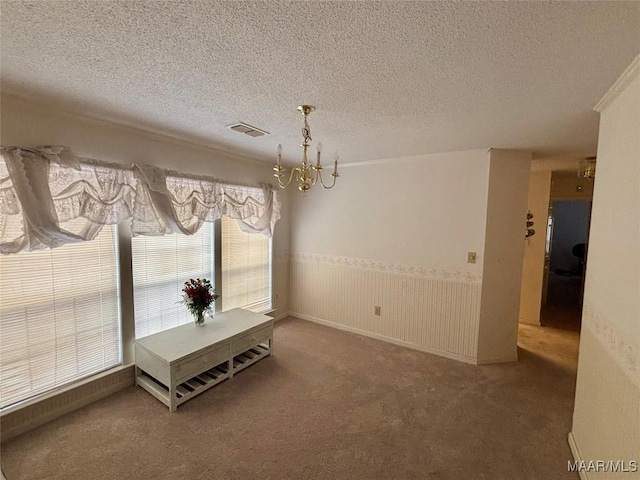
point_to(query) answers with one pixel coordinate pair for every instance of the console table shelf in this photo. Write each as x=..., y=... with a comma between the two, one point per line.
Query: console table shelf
x=177, y=364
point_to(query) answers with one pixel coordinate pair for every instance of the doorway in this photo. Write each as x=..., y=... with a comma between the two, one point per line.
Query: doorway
x=566, y=255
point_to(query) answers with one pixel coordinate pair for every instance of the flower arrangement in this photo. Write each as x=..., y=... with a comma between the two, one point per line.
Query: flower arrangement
x=198, y=296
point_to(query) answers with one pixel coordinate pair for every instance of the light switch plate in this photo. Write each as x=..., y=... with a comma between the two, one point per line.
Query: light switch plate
x=471, y=257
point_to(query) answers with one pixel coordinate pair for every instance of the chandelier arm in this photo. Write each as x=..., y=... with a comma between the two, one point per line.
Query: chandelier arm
x=278, y=175
x=334, y=175
x=316, y=176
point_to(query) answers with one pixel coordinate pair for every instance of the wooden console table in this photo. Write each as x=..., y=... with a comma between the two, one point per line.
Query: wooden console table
x=177, y=364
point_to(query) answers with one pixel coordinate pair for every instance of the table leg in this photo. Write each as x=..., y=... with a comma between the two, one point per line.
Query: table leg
x=173, y=397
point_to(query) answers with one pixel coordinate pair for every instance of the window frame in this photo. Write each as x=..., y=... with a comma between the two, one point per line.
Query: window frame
x=218, y=273
x=124, y=280
x=63, y=386
x=151, y=275
x=218, y=268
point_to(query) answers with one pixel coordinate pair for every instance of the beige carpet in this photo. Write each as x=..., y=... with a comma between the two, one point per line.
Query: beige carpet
x=329, y=405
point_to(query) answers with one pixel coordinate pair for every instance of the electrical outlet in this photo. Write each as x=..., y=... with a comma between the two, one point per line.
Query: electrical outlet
x=471, y=257
x=376, y=310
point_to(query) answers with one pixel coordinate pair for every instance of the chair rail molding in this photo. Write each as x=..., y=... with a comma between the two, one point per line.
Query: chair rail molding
x=454, y=274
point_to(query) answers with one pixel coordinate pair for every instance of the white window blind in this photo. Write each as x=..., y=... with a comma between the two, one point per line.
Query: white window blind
x=59, y=316
x=246, y=268
x=161, y=265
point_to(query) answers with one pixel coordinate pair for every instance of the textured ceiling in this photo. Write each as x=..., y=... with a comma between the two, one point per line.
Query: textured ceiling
x=389, y=79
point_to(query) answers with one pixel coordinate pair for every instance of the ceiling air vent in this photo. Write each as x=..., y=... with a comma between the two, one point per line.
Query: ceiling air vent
x=248, y=130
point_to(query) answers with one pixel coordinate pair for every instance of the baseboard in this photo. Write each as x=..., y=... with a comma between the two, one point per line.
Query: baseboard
x=281, y=316
x=533, y=323
x=364, y=333
x=494, y=360
x=576, y=455
x=49, y=407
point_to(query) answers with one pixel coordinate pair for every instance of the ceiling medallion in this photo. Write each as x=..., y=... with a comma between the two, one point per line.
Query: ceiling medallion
x=306, y=175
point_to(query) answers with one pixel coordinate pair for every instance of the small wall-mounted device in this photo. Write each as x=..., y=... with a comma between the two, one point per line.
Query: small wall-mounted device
x=471, y=257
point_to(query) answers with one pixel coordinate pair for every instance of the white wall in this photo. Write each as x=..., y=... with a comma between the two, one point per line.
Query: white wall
x=606, y=421
x=504, y=248
x=27, y=123
x=396, y=233
x=425, y=211
x=534, y=249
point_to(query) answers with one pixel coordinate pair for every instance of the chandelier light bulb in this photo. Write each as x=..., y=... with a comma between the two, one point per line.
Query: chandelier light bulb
x=279, y=149
x=318, y=165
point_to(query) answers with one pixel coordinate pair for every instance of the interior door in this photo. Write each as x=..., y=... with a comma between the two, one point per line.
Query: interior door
x=547, y=254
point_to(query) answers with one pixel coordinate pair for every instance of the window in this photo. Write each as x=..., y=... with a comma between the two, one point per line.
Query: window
x=246, y=268
x=161, y=265
x=59, y=316
x=60, y=308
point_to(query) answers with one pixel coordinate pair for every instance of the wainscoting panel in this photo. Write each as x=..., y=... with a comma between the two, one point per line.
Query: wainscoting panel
x=436, y=310
x=280, y=282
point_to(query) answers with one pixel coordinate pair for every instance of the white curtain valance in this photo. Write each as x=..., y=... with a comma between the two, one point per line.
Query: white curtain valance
x=168, y=202
x=50, y=197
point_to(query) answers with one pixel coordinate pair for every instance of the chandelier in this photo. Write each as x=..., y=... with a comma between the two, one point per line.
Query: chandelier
x=587, y=168
x=306, y=175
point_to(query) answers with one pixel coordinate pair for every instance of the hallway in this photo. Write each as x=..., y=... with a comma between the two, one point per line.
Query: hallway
x=561, y=317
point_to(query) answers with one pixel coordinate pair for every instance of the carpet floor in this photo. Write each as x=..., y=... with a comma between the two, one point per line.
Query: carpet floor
x=329, y=405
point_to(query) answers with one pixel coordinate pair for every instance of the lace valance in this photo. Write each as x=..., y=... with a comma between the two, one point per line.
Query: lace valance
x=166, y=202
x=50, y=197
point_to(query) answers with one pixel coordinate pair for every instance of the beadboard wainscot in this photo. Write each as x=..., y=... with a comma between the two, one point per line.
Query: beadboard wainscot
x=280, y=294
x=434, y=310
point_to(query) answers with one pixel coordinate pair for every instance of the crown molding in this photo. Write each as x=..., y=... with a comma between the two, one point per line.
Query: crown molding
x=630, y=74
x=395, y=160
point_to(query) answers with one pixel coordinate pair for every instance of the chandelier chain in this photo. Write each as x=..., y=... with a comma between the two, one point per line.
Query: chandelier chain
x=306, y=131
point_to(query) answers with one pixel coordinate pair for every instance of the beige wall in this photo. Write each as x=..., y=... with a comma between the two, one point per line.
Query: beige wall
x=502, y=266
x=534, y=249
x=567, y=186
x=606, y=422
